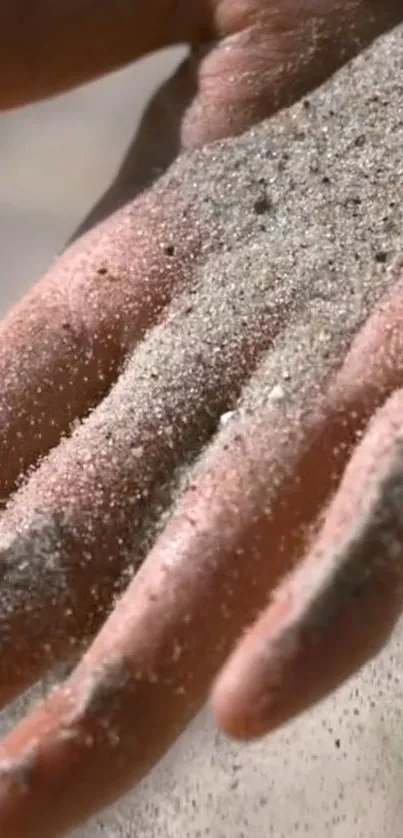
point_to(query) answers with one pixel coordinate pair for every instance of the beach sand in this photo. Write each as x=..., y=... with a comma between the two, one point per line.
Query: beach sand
x=302, y=214
x=313, y=198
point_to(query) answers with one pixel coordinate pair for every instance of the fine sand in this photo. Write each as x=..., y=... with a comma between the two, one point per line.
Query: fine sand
x=311, y=198
x=301, y=221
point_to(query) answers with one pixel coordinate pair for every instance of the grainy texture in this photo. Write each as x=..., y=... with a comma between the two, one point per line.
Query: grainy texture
x=298, y=223
x=301, y=219
x=313, y=198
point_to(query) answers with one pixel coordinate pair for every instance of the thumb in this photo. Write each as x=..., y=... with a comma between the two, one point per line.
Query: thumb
x=46, y=48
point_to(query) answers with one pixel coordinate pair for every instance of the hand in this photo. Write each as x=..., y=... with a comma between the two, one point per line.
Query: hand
x=111, y=337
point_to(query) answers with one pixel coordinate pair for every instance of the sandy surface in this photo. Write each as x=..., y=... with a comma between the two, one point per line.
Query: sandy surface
x=338, y=771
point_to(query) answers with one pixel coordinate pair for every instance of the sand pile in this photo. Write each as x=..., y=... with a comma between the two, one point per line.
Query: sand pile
x=304, y=213
x=300, y=220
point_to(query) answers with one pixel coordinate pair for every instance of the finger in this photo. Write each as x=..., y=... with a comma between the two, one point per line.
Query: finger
x=235, y=530
x=243, y=501
x=339, y=606
x=57, y=46
x=62, y=346
x=253, y=694
x=85, y=516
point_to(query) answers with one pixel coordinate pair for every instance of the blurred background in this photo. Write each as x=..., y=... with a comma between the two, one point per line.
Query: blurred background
x=56, y=158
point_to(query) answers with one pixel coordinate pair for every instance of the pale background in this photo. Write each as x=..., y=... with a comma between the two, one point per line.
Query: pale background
x=338, y=772
x=55, y=160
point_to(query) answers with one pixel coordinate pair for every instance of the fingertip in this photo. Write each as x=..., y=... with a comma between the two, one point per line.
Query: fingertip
x=234, y=710
x=243, y=695
x=338, y=607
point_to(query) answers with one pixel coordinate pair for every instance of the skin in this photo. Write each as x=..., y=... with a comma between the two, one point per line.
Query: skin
x=62, y=350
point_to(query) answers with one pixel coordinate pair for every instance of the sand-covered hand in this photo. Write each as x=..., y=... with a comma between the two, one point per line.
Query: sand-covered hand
x=181, y=394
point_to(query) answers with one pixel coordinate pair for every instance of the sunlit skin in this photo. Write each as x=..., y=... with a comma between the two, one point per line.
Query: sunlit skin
x=72, y=333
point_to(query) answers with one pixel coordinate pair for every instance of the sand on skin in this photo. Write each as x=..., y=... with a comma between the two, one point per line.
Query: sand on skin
x=334, y=205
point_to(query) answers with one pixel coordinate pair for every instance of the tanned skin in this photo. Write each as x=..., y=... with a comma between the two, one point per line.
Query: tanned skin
x=63, y=348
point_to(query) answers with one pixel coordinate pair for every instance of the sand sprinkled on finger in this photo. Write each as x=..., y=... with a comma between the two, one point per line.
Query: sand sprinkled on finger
x=306, y=210
x=297, y=223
